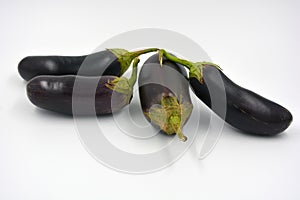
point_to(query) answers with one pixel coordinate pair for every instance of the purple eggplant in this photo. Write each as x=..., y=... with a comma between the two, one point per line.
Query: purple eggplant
x=164, y=95
x=84, y=95
x=113, y=62
x=245, y=110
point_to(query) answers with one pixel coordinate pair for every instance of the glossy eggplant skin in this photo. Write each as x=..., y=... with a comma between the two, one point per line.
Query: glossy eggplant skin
x=245, y=110
x=96, y=64
x=156, y=82
x=57, y=93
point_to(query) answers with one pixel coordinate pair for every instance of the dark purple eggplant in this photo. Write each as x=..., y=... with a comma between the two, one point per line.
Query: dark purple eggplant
x=245, y=110
x=108, y=62
x=82, y=95
x=164, y=95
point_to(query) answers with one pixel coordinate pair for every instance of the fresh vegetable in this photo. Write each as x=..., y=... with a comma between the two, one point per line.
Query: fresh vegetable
x=57, y=93
x=108, y=62
x=245, y=110
x=164, y=95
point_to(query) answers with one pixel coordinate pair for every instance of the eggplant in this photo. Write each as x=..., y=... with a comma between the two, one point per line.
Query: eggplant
x=245, y=110
x=164, y=95
x=113, y=62
x=82, y=95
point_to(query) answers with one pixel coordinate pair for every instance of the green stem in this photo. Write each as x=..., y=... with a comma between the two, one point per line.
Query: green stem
x=170, y=57
x=135, y=54
x=125, y=57
x=195, y=69
x=181, y=136
x=133, y=76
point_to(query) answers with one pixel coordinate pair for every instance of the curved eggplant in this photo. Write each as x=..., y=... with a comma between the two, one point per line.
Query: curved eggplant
x=164, y=95
x=108, y=62
x=55, y=93
x=82, y=95
x=246, y=110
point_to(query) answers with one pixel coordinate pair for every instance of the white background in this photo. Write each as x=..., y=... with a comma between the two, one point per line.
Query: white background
x=256, y=43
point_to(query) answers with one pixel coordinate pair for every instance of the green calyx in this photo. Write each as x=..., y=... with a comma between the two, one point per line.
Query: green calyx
x=120, y=85
x=125, y=57
x=195, y=69
x=170, y=115
x=123, y=85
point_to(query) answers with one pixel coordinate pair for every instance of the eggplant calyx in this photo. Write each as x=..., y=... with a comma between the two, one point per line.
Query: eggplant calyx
x=124, y=85
x=170, y=116
x=125, y=57
x=196, y=71
x=118, y=52
x=120, y=85
x=133, y=76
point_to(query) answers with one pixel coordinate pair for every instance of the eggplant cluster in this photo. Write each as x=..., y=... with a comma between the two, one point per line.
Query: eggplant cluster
x=68, y=84
x=61, y=84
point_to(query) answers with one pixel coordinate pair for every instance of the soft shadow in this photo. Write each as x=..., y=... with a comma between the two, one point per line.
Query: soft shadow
x=230, y=132
x=47, y=113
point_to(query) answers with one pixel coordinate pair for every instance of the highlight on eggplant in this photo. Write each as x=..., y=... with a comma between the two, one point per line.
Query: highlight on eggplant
x=245, y=110
x=57, y=93
x=113, y=62
x=164, y=95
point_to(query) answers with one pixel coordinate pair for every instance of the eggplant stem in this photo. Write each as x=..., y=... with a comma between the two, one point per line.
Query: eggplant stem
x=181, y=136
x=133, y=76
x=196, y=69
x=170, y=57
x=135, y=54
x=175, y=122
x=125, y=57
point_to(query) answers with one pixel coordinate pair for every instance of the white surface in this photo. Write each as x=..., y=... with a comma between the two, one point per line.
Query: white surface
x=256, y=43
